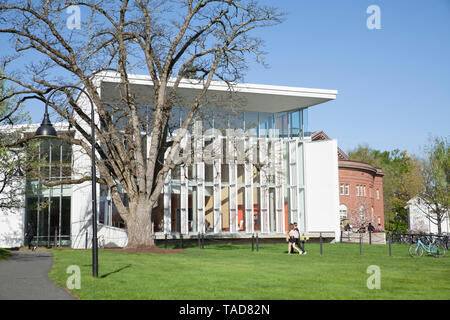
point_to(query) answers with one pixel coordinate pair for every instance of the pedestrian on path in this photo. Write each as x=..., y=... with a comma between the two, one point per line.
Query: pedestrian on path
x=29, y=235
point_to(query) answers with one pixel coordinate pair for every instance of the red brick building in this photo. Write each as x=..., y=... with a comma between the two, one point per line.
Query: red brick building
x=360, y=190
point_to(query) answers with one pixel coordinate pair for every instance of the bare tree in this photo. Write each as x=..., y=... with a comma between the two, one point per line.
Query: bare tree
x=201, y=39
x=434, y=199
x=361, y=213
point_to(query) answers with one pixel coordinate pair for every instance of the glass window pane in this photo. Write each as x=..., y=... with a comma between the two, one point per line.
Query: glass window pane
x=225, y=208
x=256, y=209
x=241, y=209
x=209, y=209
x=175, y=206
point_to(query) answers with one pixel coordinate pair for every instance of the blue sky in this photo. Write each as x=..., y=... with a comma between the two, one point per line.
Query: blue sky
x=393, y=83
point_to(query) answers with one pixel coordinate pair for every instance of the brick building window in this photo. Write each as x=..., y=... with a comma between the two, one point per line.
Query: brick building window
x=347, y=189
x=378, y=194
x=343, y=211
x=341, y=189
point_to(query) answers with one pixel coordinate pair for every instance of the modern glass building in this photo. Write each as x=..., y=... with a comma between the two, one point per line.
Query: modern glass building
x=249, y=166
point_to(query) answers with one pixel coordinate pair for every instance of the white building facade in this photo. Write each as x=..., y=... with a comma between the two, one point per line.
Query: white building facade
x=419, y=218
x=254, y=170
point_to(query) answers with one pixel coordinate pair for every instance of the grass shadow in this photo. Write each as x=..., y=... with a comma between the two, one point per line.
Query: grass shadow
x=178, y=246
x=115, y=271
x=229, y=247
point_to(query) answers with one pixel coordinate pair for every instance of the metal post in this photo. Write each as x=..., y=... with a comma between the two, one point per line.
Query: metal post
x=60, y=193
x=46, y=123
x=370, y=237
x=39, y=203
x=321, y=243
x=342, y=233
x=198, y=239
x=181, y=240
x=253, y=242
x=203, y=241
x=54, y=240
x=86, y=242
x=389, y=239
x=94, y=195
x=165, y=241
x=49, y=194
x=360, y=243
x=257, y=244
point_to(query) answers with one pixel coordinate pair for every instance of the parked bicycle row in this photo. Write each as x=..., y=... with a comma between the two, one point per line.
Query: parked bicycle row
x=424, y=238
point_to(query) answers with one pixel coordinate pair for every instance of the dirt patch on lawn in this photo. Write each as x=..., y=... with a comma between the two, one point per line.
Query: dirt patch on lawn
x=145, y=250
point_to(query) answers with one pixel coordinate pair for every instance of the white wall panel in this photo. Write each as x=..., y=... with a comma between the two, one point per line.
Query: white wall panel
x=322, y=193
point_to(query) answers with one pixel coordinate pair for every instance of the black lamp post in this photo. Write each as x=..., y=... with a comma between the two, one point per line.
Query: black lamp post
x=46, y=130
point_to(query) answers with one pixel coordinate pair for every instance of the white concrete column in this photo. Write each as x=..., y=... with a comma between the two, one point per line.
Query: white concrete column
x=184, y=200
x=217, y=194
x=200, y=197
x=248, y=169
x=293, y=181
x=167, y=204
x=233, y=197
x=279, y=196
x=264, y=189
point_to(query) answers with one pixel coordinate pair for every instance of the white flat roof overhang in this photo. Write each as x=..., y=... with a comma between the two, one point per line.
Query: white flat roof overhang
x=245, y=96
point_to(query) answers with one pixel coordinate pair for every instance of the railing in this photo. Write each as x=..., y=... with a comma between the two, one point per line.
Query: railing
x=370, y=237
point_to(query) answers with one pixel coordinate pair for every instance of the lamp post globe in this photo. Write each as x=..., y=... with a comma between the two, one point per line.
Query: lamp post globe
x=46, y=129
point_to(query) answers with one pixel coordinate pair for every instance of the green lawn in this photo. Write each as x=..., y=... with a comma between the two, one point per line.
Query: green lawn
x=234, y=272
x=4, y=254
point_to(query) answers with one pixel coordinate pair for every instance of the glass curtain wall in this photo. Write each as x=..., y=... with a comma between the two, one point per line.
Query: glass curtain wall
x=237, y=196
x=225, y=196
x=48, y=208
x=263, y=192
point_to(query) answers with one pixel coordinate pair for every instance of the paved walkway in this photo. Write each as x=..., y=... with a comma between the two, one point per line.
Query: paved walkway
x=24, y=277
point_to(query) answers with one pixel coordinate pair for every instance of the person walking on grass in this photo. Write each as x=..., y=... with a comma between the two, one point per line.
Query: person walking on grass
x=288, y=237
x=292, y=235
x=297, y=239
x=29, y=235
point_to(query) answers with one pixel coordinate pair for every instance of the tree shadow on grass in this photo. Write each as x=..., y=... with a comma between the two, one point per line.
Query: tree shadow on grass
x=115, y=271
x=228, y=247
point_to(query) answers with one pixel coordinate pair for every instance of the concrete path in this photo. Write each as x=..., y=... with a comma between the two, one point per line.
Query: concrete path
x=24, y=277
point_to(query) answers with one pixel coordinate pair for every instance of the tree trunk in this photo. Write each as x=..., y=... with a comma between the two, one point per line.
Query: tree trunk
x=139, y=224
x=439, y=220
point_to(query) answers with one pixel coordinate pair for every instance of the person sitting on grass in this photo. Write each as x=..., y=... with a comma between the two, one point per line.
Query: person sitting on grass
x=292, y=235
x=362, y=229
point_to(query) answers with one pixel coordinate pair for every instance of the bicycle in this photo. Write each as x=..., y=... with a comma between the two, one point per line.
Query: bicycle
x=436, y=249
x=444, y=240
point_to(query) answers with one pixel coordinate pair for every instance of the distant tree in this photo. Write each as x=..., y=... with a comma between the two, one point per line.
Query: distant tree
x=12, y=159
x=402, y=181
x=435, y=196
x=360, y=214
